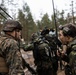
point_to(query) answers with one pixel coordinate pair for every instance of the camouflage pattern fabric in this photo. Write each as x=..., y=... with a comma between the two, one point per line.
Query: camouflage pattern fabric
x=9, y=50
x=72, y=56
x=44, y=64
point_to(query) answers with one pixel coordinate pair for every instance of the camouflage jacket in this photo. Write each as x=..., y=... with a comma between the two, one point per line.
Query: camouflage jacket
x=71, y=51
x=41, y=52
x=9, y=50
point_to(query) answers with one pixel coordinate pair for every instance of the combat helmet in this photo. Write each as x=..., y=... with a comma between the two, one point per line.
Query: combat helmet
x=11, y=25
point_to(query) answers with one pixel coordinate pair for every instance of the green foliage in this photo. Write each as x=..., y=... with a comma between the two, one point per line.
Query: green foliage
x=45, y=22
x=61, y=20
x=39, y=26
x=26, y=19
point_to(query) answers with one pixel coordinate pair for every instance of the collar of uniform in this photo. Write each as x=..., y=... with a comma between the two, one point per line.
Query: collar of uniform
x=10, y=36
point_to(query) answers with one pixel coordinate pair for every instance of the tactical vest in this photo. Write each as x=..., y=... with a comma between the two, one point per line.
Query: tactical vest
x=3, y=67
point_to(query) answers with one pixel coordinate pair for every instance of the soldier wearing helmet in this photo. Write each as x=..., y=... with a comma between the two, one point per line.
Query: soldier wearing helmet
x=67, y=36
x=11, y=25
x=10, y=56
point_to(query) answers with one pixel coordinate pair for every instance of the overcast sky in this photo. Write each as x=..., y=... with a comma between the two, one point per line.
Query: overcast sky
x=39, y=7
x=45, y=6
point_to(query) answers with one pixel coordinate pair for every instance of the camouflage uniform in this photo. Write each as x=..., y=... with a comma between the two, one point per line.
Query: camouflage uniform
x=9, y=50
x=67, y=35
x=53, y=48
x=44, y=63
x=41, y=55
x=71, y=52
x=70, y=58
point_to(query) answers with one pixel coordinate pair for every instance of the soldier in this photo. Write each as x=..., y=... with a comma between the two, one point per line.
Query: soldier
x=53, y=56
x=41, y=52
x=67, y=35
x=10, y=56
x=42, y=57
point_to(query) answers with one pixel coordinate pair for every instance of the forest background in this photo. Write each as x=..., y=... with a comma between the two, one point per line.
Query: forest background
x=30, y=26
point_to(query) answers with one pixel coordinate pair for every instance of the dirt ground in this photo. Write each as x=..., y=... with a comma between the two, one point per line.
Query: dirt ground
x=28, y=56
